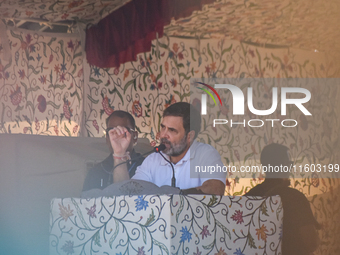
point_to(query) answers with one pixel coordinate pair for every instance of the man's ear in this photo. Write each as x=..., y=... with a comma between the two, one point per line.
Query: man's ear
x=191, y=136
x=135, y=136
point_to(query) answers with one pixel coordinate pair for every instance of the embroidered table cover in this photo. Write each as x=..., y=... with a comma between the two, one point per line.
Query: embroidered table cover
x=166, y=224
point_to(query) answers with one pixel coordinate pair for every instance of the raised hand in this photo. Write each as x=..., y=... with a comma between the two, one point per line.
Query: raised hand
x=120, y=138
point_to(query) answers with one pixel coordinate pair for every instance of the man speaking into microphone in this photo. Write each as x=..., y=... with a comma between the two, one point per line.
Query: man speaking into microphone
x=179, y=128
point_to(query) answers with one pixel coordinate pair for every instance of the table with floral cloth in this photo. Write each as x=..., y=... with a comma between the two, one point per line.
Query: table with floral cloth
x=166, y=224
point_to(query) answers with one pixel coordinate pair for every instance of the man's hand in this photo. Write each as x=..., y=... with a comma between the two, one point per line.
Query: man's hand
x=212, y=187
x=120, y=139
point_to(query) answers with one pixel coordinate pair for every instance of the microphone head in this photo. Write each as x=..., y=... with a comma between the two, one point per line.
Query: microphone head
x=160, y=148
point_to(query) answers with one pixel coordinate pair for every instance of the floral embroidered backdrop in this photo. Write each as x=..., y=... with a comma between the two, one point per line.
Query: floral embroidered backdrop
x=41, y=88
x=48, y=89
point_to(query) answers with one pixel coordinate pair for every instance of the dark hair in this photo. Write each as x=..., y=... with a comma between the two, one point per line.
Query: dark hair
x=122, y=114
x=190, y=115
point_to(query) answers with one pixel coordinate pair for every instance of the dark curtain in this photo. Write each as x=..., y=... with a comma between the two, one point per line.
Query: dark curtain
x=129, y=30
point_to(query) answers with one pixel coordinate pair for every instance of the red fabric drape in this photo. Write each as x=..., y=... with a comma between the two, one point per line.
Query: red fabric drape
x=129, y=30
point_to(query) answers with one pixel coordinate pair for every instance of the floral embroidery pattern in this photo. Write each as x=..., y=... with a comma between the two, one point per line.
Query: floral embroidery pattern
x=197, y=225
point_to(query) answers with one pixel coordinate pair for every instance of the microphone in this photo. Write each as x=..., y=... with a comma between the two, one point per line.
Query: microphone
x=160, y=148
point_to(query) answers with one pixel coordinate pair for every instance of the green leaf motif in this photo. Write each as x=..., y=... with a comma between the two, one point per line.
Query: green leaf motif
x=180, y=209
x=61, y=42
x=96, y=239
x=193, y=54
x=207, y=212
x=247, y=156
x=144, y=234
x=51, y=41
x=239, y=193
x=161, y=245
x=113, y=237
x=53, y=104
x=251, y=241
x=80, y=215
x=99, y=81
x=264, y=209
x=224, y=229
x=67, y=130
x=92, y=99
x=150, y=219
x=279, y=210
x=213, y=200
x=227, y=50
x=127, y=85
x=209, y=52
x=209, y=247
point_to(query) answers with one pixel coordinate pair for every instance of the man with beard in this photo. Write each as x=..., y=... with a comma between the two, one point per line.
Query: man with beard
x=299, y=225
x=179, y=128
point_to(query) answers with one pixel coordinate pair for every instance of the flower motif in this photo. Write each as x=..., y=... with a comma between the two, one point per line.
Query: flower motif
x=70, y=45
x=96, y=126
x=198, y=252
x=62, y=77
x=37, y=124
x=16, y=96
x=50, y=60
x=65, y=212
x=260, y=232
x=28, y=38
x=67, y=110
x=126, y=74
x=56, y=131
x=159, y=85
x=221, y=252
x=186, y=235
x=175, y=47
x=21, y=74
x=32, y=48
x=106, y=105
x=140, y=251
x=42, y=79
x=141, y=203
x=205, y=232
x=173, y=82
x=42, y=103
x=63, y=67
x=56, y=67
x=238, y=217
x=92, y=211
x=68, y=247
x=75, y=129
x=170, y=101
x=96, y=71
x=137, y=108
x=238, y=252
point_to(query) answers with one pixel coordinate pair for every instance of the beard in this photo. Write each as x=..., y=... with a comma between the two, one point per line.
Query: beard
x=175, y=149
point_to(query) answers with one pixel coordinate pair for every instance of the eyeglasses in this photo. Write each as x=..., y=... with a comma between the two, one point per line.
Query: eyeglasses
x=131, y=130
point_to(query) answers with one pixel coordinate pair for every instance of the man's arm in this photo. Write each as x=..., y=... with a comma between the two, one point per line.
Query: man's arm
x=212, y=187
x=120, y=139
